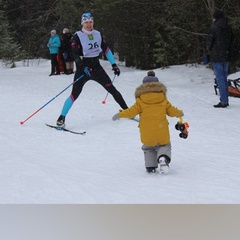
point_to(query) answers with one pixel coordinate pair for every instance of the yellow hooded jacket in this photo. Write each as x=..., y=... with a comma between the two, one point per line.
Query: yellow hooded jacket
x=153, y=108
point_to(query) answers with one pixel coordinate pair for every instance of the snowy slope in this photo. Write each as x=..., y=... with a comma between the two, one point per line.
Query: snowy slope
x=41, y=165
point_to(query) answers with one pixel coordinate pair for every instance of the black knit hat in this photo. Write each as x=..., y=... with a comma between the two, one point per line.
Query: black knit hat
x=218, y=14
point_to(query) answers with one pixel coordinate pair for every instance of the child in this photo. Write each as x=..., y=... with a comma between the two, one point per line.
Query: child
x=153, y=108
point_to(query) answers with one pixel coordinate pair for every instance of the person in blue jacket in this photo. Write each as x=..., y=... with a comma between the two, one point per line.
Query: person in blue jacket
x=53, y=44
x=87, y=44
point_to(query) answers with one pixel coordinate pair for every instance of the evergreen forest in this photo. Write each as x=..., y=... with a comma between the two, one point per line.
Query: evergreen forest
x=145, y=34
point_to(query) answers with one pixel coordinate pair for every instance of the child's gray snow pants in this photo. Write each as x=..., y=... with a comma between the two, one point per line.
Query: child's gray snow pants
x=151, y=154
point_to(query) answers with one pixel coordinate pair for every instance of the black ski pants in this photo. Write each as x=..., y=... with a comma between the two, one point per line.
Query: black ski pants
x=98, y=75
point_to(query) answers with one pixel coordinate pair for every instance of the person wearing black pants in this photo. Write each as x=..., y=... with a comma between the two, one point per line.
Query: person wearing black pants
x=87, y=44
x=53, y=45
x=55, y=70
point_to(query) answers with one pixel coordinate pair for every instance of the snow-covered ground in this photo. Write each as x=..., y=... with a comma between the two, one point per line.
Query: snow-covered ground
x=41, y=165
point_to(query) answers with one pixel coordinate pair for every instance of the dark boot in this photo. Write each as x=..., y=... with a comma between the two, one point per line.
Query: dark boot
x=52, y=71
x=151, y=169
x=57, y=70
x=61, y=121
x=221, y=105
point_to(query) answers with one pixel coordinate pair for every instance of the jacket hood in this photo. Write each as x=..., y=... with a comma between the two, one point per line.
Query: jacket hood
x=149, y=92
x=221, y=22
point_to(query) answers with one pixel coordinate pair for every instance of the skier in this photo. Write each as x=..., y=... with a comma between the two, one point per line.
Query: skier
x=87, y=44
x=152, y=107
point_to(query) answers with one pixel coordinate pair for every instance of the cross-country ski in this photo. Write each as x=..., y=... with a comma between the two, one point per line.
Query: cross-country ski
x=65, y=129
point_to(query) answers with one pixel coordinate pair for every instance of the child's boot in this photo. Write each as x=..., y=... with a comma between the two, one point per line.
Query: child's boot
x=164, y=164
x=151, y=169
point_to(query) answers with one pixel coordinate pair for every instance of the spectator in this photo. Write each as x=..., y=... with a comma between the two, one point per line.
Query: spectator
x=53, y=45
x=67, y=51
x=219, y=42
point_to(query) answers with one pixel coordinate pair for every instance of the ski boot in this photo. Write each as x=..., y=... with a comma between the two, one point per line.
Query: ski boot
x=183, y=128
x=61, y=121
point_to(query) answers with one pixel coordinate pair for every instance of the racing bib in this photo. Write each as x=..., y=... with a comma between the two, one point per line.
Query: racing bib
x=91, y=43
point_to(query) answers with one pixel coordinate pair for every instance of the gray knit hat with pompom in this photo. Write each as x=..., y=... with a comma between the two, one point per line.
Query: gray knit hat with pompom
x=150, y=77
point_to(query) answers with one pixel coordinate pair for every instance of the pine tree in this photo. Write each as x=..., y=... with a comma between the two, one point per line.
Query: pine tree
x=10, y=51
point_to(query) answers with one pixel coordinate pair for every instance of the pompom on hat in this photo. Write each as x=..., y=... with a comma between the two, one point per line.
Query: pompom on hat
x=218, y=14
x=150, y=77
x=86, y=17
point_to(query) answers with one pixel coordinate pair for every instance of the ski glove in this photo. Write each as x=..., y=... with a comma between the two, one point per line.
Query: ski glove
x=80, y=66
x=65, y=56
x=115, y=117
x=115, y=69
x=87, y=72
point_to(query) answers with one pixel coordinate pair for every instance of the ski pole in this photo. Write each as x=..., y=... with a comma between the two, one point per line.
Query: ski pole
x=104, y=100
x=22, y=122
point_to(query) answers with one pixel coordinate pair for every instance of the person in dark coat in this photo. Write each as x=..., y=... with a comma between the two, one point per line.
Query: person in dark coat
x=67, y=50
x=219, y=42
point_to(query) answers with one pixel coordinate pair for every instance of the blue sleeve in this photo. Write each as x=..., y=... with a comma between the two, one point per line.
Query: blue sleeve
x=56, y=42
x=110, y=56
x=107, y=51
